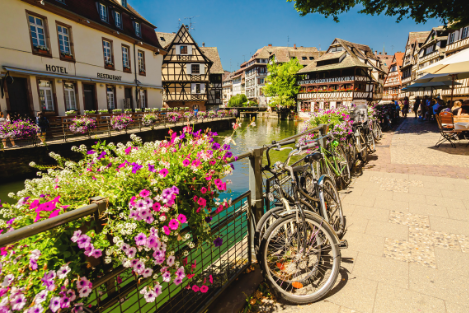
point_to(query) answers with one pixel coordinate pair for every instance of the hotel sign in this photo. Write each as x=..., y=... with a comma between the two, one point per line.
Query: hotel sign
x=326, y=80
x=111, y=77
x=56, y=69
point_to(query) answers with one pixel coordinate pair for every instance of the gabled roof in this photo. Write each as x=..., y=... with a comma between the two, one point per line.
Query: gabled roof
x=180, y=31
x=398, y=58
x=165, y=39
x=212, y=54
x=348, y=61
x=284, y=54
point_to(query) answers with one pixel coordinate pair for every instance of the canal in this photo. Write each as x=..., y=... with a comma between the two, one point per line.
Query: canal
x=248, y=138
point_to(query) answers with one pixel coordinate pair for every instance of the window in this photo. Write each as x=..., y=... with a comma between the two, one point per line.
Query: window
x=118, y=19
x=107, y=50
x=337, y=49
x=429, y=50
x=451, y=38
x=124, y=3
x=393, y=68
x=311, y=58
x=126, y=58
x=143, y=98
x=138, y=32
x=110, y=97
x=102, y=12
x=141, y=62
x=465, y=32
x=38, y=35
x=195, y=69
x=183, y=50
x=70, y=100
x=46, y=95
x=261, y=81
x=64, y=40
x=304, y=58
x=197, y=88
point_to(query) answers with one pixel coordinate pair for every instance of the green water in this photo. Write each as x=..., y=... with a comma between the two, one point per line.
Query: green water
x=263, y=133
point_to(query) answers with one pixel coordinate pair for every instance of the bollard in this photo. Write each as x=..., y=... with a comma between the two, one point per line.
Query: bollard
x=255, y=185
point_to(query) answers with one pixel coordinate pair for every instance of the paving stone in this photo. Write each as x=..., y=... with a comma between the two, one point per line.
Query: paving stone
x=409, y=219
x=356, y=224
x=456, y=308
x=382, y=269
x=464, y=243
x=365, y=243
x=349, y=258
x=392, y=299
x=427, y=209
x=347, y=310
x=424, y=191
x=406, y=197
x=446, y=285
x=388, y=230
x=449, y=203
x=409, y=252
x=359, y=200
x=372, y=214
x=358, y=294
x=458, y=214
x=392, y=205
x=449, y=225
x=426, y=237
x=449, y=260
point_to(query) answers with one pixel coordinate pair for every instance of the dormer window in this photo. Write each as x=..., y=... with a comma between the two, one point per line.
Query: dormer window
x=465, y=32
x=138, y=31
x=451, y=38
x=124, y=3
x=304, y=58
x=102, y=12
x=118, y=19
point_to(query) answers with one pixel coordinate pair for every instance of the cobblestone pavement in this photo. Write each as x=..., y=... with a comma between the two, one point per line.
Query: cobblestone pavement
x=407, y=229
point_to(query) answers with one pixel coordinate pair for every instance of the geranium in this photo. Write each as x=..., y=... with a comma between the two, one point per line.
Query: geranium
x=120, y=122
x=18, y=129
x=82, y=125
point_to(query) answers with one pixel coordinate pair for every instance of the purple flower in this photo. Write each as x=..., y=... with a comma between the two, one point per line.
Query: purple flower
x=218, y=242
x=102, y=155
x=149, y=219
x=54, y=304
x=64, y=302
x=131, y=252
x=96, y=253
x=140, y=239
x=151, y=168
x=84, y=242
x=139, y=267
x=175, y=190
x=90, y=152
x=177, y=281
x=216, y=146
x=136, y=167
x=208, y=219
x=226, y=147
x=18, y=302
x=33, y=264
x=228, y=154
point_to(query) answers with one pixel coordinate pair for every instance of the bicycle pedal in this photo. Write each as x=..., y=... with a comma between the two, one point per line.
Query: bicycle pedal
x=343, y=244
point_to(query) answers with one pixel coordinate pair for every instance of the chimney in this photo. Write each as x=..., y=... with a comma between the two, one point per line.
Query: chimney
x=270, y=45
x=203, y=44
x=294, y=46
x=376, y=52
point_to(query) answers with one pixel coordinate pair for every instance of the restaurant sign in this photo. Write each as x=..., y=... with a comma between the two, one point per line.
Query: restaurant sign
x=111, y=77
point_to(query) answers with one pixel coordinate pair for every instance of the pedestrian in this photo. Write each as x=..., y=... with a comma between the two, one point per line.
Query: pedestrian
x=42, y=123
x=405, y=107
x=416, y=106
x=456, y=107
x=3, y=120
x=464, y=108
x=196, y=109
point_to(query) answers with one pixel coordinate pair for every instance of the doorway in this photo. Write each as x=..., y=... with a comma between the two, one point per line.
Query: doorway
x=18, y=96
x=128, y=98
x=90, y=103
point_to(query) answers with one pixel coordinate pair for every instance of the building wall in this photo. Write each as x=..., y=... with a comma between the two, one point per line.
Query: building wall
x=16, y=51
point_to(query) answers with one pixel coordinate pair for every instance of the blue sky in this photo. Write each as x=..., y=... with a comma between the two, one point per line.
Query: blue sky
x=238, y=28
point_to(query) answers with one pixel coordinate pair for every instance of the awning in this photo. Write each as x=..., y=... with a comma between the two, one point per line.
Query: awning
x=80, y=78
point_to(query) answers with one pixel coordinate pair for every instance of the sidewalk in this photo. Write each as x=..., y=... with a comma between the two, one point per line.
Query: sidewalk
x=408, y=230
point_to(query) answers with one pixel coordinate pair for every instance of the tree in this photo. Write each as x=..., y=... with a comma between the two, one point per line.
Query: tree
x=420, y=11
x=237, y=101
x=281, y=83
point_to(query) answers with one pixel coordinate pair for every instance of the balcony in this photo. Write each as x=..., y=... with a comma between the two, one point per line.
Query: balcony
x=406, y=80
x=458, y=45
x=332, y=80
x=463, y=91
x=431, y=56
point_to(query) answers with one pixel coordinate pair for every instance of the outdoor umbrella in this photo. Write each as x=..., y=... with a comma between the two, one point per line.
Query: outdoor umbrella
x=438, y=85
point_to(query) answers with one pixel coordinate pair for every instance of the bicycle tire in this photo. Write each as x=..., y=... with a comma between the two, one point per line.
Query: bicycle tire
x=322, y=252
x=351, y=151
x=370, y=141
x=321, y=168
x=332, y=205
x=344, y=169
x=263, y=224
x=361, y=143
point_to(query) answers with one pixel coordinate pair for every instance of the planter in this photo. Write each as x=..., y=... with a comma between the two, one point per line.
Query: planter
x=68, y=57
x=109, y=66
x=142, y=73
x=42, y=51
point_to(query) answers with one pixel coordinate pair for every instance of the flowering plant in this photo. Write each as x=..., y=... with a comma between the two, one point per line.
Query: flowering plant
x=222, y=113
x=173, y=116
x=201, y=114
x=18, y=129
x=188, y=114
x=339, y=118
x=120, y=122
x=233, y=112
x=70, y=112
x=149, y=119
x=158, y=194
x=211, y=114
x=82, y=125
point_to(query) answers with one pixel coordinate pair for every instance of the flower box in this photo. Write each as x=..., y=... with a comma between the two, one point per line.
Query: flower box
x=143, y=73
x=109, y=65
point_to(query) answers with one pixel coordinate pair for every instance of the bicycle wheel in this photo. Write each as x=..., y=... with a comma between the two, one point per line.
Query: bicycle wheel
x=350, y=151
x=264, y=223
x=361, y=144
x=301, y=261
x=330, y=203
x=375, y=131
x=380, y=131
x=321, y=168
x=370, y=141
x=343, y=167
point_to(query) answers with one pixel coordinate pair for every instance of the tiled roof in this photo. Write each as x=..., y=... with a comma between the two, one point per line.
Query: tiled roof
x=165, y=39
x=212, y=54
x=348, y=61
x=283, y=53
x=399, y=58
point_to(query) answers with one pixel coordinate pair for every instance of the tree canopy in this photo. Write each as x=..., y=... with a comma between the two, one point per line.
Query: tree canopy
x=448, y=11
x=237, y=101
x=281, y=83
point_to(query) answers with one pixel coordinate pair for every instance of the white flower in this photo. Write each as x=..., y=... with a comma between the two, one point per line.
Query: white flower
x=11, y=194
x=63, y=271
x=127, y=263
x=107, y=260
x=32, y=164
x=8, y=279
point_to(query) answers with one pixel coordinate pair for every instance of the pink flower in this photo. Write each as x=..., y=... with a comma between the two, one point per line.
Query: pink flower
x=208, y=177
x=140, y=239
x=217, y=181
x=203, y=190
x=173, y=224
x=195, y=198
x=186, y=162
x=196, y=163
x=54, y=214
x=202, y=202
x=163, y=173
x=144, y=193
x=210, y=278
x=203, y=289
x=156, y=206
x=182, y=218
x=166, y=230
x=127, y=151
x=195, y=288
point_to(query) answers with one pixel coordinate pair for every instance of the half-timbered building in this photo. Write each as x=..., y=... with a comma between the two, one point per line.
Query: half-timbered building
x=392, y=83
x=192, y=75
x=348, y=73
x=433, y=49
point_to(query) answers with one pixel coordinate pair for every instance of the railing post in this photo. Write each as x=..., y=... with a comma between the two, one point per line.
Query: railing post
x=255, y=185
x=322, y=132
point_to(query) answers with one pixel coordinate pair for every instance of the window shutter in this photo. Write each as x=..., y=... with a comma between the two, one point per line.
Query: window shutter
x=193, y=88
x=188, y=69
x=178, y=50
x=189, y=49
x=202, y=69
x=202, y=88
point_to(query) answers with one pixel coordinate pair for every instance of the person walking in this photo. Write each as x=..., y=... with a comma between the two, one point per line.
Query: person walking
x=42, y=123
x=405, y=108
x=416, y=106
x=4, y=120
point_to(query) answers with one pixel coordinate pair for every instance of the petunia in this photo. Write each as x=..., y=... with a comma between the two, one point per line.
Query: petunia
x=182, y=218
x=41, y=296
x=144, y=193
x=163, y=173
x=102, y=155
x=170, y=260
x=36, y=309
x=177, y=281
x=203, y=190
x=128, y=150
x=84, y=292
x=140, y=239
x=173, y=224
x=218, y=242
x=166, y=230
x=203, y=289
x=147, y=272
x=131, y=252
x=166, y=277
x=149, y=219
x=54, y=214
x=96, y=253
x=186, y=162
x=202, y=202
x=158, y=289
x=63, y=271
x=90, y=152
x=156, y=206
x=18, y=302
x=54, y=304
x=195, y=288
x=64, y=302
x=208, y=219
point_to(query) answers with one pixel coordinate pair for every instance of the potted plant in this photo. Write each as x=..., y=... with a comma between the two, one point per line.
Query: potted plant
x=142, y=71
x=127, y=69
x=138, y=110
x=128, y=110
x=67, y=55
x=109, y=64
x=120, y=122
x=103, y=111
x=41, y=49
x=82, y=125
x=71, y=112
x=88, y=112
x=117, y=111
x=155, y=109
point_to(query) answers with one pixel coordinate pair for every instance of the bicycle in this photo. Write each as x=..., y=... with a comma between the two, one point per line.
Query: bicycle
x=299, y=252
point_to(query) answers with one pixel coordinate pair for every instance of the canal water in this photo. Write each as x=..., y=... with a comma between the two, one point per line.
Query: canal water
x=248, y=138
